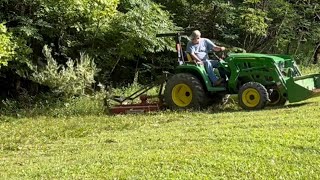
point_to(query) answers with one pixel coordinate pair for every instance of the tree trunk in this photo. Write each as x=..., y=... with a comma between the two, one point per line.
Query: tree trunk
x=316, y=56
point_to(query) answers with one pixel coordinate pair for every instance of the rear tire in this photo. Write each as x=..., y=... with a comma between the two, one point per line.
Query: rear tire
x=185, y=91
x=253, y=96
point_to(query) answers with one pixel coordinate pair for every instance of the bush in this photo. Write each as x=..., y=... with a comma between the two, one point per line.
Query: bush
x=74, y=79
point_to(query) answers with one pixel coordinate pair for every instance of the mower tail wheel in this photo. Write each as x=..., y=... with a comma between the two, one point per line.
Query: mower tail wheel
x=253, y=96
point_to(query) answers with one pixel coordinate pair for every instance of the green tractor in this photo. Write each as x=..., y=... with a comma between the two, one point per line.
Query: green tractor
x=258, y=79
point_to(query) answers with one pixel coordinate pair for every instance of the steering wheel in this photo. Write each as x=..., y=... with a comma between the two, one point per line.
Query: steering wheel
x=221, y=55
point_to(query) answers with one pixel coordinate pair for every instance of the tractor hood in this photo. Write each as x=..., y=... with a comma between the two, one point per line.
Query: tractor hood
x=274, y=57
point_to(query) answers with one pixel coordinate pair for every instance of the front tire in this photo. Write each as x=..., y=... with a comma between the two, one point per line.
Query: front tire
x=253, y=96
x=276, y=99
x=185, y=91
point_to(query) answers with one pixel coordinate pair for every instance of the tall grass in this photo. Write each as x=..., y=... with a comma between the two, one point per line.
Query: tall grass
x=54, y=106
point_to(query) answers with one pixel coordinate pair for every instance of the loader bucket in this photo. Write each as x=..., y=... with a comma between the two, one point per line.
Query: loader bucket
x=303, y=87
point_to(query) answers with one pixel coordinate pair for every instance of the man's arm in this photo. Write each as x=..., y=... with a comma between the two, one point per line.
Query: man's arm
x=214, y=47
x=195, y=58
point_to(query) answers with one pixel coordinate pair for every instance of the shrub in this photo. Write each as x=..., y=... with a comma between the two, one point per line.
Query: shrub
x=74, y=79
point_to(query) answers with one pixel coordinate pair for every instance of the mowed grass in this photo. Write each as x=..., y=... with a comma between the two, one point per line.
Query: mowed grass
x=275, y=143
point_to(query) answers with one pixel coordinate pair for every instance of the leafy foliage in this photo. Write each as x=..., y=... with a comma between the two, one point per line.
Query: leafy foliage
x=132, y=40
x=73, y=79
x=137, y=28
x=253, y=22
x=73, y=24
x=7, y=46
x=276, y=26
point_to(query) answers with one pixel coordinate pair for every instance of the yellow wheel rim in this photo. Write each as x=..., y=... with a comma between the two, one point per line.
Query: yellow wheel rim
x=251, y=97
x=182, y=95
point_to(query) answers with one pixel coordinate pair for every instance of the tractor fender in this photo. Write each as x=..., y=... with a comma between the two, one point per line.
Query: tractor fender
x=196, y=70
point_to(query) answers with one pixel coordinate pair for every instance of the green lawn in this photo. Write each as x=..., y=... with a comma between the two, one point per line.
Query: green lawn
x=282, y=143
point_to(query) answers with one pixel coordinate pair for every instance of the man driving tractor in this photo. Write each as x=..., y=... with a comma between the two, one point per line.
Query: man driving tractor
x=199, y=48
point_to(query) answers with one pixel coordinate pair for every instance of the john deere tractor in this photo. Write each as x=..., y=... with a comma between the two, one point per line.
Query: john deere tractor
x=258, y=79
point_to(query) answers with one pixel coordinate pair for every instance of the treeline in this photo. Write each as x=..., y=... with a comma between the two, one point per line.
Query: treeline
x=69, y=45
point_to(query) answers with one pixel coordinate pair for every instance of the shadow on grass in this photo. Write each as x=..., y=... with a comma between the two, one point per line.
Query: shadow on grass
x=292, y=105
x=233, y=107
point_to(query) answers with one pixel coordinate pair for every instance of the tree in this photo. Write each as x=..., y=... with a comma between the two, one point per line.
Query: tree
x=104, y=29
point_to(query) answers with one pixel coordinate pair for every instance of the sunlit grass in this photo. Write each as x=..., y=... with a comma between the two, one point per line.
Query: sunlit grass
x=275, y=143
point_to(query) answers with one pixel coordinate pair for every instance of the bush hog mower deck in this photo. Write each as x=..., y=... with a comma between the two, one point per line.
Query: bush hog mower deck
x=126, y=105
x=259, y=80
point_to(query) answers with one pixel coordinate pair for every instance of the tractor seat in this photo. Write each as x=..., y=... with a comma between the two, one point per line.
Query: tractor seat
x=188, y=58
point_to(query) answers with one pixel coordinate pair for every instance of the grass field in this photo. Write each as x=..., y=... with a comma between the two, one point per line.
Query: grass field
x=228, y=143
